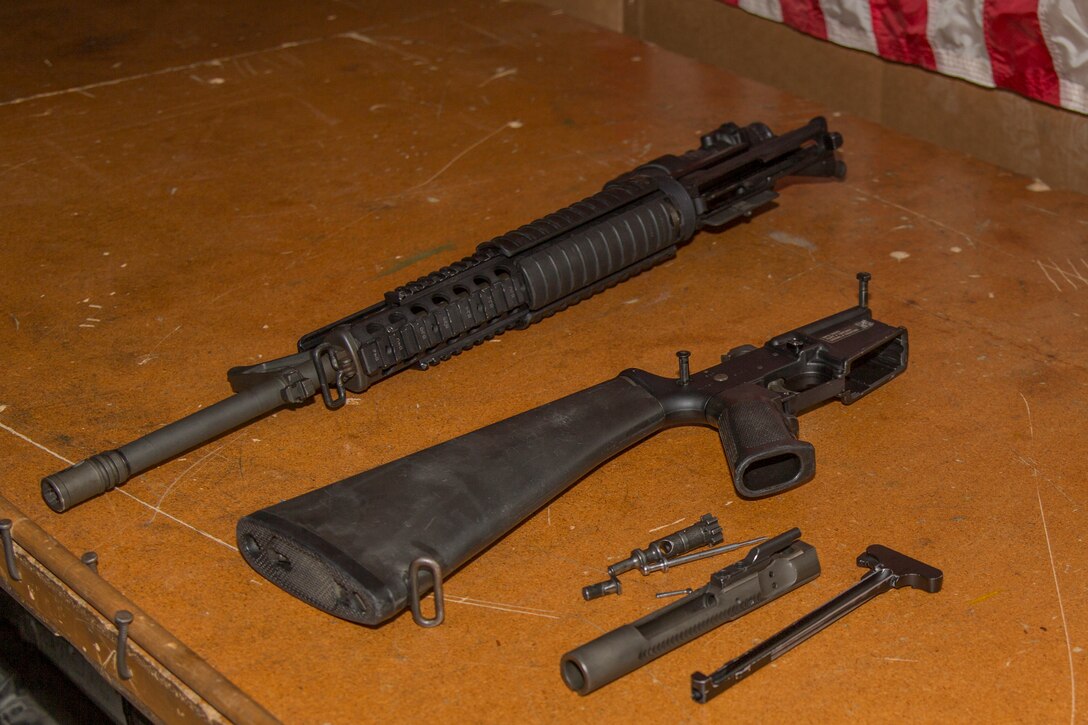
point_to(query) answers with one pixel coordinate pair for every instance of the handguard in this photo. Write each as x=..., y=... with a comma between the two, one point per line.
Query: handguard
x=347, y=548
x=638, y=220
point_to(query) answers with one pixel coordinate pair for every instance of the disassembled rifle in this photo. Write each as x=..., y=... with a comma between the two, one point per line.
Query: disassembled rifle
x=770, y=569
x=637, y=221
x=889, y=570
x=348, y=548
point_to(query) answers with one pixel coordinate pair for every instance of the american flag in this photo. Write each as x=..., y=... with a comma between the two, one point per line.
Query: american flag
x=1038, y=48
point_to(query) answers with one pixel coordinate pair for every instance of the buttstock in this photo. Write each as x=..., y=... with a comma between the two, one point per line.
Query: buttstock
x=346, y=548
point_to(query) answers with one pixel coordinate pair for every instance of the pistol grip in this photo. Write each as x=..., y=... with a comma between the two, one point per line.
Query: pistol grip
x=761, y=445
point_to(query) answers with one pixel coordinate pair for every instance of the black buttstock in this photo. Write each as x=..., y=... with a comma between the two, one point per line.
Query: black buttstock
x=346, y=548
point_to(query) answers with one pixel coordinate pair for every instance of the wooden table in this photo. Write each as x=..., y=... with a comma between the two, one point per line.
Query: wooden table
x=191, y=187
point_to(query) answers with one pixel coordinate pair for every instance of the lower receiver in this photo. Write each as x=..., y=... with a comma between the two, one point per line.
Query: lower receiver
x=347, y=548
x=771, y=569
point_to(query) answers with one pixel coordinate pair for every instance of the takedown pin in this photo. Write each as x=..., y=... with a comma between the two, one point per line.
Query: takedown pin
x=890, y=570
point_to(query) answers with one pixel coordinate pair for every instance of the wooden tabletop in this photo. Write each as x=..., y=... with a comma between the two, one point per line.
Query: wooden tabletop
x=187, y=187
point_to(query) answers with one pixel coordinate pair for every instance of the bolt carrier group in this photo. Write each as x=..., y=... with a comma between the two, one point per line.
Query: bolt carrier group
x=669, y=551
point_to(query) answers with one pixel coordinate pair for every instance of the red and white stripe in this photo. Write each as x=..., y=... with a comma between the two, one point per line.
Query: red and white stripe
x=1038, y=48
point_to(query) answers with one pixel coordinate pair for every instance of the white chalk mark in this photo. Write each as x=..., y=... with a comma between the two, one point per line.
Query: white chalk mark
x=194, y=465
x=499, y=73
x=1070, y=277
x=1030, y=463
x=1049, y=278
x=175, y=519
x=1038, y=185
x=384, y=46
x=151, y=355
x=59, y=457
x=1061, y=610
x=15, y=320
x=1075, y=273
x=323, y=117
x=663, y=526
x=75, y=161
x=162, y=71
x=899, y=256
x=792, y=240
x=17, y=434
x=13, y=167
x=792, y=277
x=1054, y=573
x=1031, y=428
x=209, y=82
x=481, y=31
x=459, y=156
x=897, y=659
x=512, y=608
x=918, y=214
x=1041, y=210
x=292, y=59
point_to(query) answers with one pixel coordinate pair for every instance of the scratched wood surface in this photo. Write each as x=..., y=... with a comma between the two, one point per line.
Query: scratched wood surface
x=186, y=187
